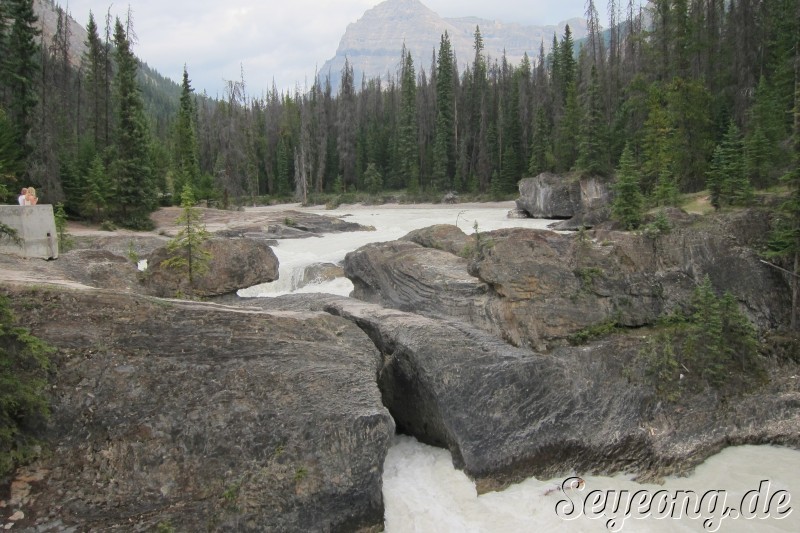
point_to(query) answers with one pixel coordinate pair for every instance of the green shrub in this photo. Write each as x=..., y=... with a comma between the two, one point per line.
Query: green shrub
x=24, y=365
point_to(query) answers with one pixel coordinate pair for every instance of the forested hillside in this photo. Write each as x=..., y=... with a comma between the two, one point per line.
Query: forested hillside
x=700, y=91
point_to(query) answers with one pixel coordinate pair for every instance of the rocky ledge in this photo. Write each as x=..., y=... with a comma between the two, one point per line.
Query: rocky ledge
x=537, y=288
x=202, y=417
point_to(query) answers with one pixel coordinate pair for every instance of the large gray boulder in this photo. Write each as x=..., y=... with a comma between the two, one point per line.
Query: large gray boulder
x=585, y=201
x=235, y=264
x=203, y=417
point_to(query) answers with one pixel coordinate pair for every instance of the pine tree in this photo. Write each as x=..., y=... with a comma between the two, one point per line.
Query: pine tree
x=134, y=192
x=347, y=127
x=739, y=334
x=187, y=255
x=186, y=164
x=737, y=189
x=727, y=179
x=95, y=77
x=593, y=150
x=567, y=64
x=541, y=152
x=566, y=140
x=96, y=191
x=628, y=203
x=665, y=192
x=657, y=142
x=444, y=142
x=408, y=129
x=373, y=181
x=706, y=342
x=20, y=69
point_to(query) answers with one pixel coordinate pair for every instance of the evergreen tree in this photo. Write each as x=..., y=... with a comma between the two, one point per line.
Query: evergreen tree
x=666, y=189
x=727, y=179
x=657, y=141
x=373, y=181
x=444, y=143
x=97, y=188
x=186, y=248
x=347, y=127
x=739, y=334
x=763, y=144
x=541, y=153
x=566, y=63
x=593, y=150
x=706, y=341
x=186, y=164
x=628, y=200
x=20, y=68
x=408, y=129
x=566, y=140
x=134, y=193
x=94, y=66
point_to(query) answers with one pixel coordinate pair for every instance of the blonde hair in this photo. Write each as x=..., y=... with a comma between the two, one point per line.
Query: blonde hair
x=31, y=191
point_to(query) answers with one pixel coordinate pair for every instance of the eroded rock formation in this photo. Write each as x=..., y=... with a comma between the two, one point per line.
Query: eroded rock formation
x=204, y=417
x=536, y=288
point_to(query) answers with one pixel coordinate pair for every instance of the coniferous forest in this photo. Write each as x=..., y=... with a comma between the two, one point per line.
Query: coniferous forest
x=675, y=95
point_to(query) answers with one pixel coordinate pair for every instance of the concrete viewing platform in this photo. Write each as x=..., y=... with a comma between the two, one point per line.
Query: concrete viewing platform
x=35, y=225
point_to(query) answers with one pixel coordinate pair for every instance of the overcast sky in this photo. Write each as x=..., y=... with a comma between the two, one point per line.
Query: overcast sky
x=282, y=40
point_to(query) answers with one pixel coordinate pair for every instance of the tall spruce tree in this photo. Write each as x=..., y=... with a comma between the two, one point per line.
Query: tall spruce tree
x=186, y=164
x=134, y=195
x=444, y=143
x=407, y=147
x=20, y=68
x=628, y=200
x=187, y=254
x=347, y=127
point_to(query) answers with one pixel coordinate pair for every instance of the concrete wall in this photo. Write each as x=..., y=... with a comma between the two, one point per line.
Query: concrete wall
x=35, y=225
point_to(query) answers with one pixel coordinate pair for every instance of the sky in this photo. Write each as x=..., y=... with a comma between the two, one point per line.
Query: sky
x=274, y=41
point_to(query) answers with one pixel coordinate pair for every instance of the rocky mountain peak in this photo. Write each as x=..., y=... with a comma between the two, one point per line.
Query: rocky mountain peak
x=373, y=43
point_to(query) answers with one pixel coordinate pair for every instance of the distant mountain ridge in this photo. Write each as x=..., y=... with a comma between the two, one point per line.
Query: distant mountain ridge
x=372, y=44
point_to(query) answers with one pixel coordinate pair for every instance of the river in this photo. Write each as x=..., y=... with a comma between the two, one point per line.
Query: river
x=424, y=493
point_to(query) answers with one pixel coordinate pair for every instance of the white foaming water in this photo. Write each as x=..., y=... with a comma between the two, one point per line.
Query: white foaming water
x=422, y=491
x=390, y=222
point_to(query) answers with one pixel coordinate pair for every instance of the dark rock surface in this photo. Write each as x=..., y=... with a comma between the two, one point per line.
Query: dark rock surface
x=535, y=288
x=584, y=201
x=235, y=264
x=507, y=413
x=203, y=417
